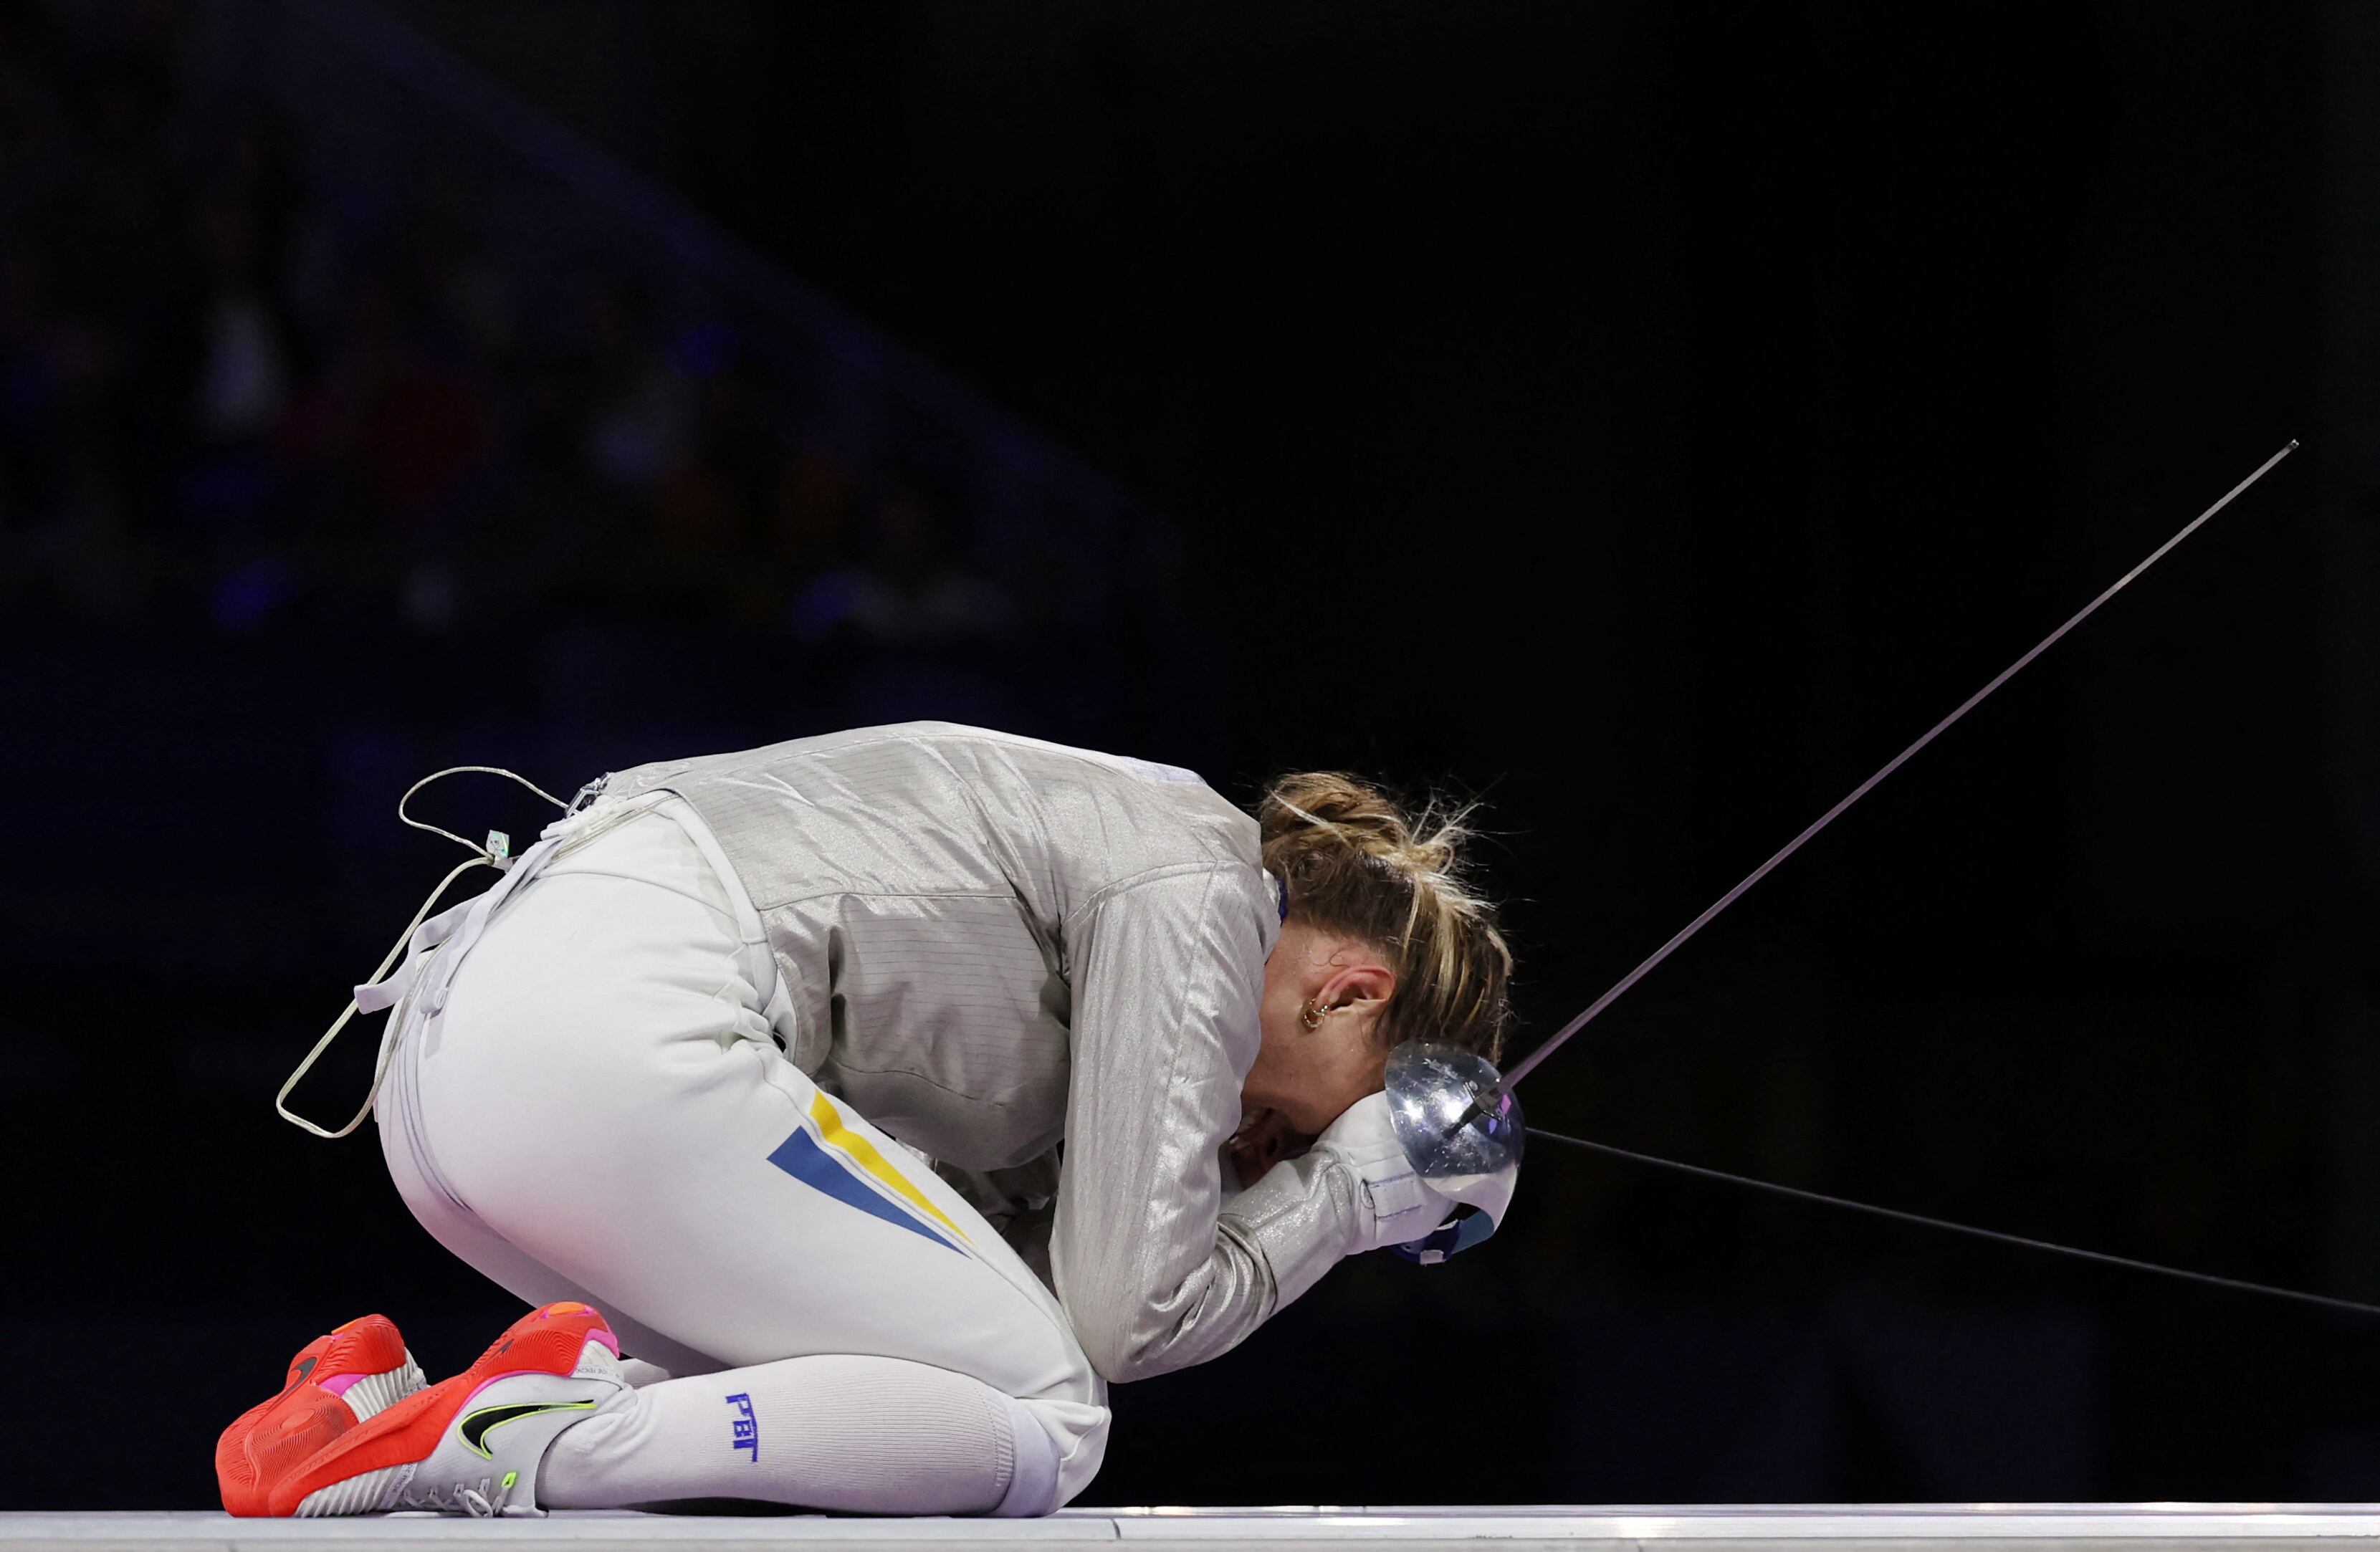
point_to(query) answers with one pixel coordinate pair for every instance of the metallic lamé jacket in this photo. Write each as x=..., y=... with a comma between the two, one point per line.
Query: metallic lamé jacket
x=995, y=945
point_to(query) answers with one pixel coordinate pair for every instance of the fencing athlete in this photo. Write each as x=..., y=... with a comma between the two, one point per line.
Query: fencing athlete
x=856, y=1108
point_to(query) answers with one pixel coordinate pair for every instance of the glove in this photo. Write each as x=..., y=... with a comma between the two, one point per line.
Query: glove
x=1405, y=1207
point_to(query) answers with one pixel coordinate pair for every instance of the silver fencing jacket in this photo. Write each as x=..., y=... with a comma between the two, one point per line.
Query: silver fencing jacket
x=994, y=945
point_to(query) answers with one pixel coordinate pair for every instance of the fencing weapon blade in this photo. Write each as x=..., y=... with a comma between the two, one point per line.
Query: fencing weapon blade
x=1438, y=1100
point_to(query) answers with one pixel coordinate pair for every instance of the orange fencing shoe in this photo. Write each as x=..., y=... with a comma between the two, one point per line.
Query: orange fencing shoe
x=335, y=1383
x=469, y=1445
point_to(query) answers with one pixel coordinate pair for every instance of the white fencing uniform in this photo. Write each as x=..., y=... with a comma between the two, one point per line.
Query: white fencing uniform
x=641, y=1083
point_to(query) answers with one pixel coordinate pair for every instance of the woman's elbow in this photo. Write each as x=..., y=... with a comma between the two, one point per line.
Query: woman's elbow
x=1116, y=1352
x=1123, y=1351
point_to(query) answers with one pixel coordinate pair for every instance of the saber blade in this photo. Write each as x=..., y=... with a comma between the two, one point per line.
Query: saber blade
x=1536, y=1058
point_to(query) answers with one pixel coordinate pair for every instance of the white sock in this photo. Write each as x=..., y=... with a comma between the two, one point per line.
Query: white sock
x=861, y=1435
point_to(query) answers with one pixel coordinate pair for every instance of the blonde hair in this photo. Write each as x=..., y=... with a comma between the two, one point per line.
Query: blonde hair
x=1355, y=863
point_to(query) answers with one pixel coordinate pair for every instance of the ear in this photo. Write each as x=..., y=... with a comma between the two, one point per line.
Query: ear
x=1365, y=980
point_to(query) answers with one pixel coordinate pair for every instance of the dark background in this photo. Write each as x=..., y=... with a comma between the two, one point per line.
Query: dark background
x=1646, y=417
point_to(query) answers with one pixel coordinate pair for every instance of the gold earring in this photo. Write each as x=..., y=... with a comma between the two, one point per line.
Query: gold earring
x=1311, y=1014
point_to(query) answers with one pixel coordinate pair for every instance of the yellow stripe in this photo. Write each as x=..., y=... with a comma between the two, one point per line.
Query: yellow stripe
x=860, y=1151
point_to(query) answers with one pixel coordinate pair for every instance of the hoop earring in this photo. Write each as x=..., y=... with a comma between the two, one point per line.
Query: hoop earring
x=1311, y=1014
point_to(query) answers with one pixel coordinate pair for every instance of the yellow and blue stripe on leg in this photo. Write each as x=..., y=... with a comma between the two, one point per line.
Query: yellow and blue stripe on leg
x=826, y=1154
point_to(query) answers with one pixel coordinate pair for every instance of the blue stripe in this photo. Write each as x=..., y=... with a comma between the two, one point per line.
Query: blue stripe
x=801, y=1157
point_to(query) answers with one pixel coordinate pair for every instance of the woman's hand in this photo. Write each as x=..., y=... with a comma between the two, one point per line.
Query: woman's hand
x=1264, y=1139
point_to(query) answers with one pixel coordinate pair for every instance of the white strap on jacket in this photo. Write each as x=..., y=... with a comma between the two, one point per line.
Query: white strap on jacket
x=423, y=936
x=1404, y=1206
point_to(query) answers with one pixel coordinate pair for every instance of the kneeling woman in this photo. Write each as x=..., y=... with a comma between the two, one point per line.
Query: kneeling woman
x=883, y=1095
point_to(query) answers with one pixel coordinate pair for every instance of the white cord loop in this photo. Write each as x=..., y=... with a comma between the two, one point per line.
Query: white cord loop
x=416, y=942
x=489, y=851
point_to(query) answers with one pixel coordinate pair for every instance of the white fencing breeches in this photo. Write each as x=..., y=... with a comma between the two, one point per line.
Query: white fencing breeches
x=594, y=1107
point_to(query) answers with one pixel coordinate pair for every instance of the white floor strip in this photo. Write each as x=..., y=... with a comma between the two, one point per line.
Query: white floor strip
x=1815, y=1528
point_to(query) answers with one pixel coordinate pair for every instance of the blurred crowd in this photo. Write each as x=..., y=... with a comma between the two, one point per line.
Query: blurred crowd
x=230, y=401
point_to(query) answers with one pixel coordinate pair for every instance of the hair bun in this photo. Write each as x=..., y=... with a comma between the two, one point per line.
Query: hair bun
x=1333, y=797
x=1364, y=818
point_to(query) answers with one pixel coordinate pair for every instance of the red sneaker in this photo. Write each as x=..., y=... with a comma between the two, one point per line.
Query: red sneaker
x=469, y=1445
x=335, y=1383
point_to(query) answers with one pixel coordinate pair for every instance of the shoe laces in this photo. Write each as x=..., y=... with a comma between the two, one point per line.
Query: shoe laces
x=485, y=1501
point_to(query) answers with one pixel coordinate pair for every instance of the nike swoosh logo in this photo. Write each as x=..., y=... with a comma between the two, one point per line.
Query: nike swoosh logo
x=477, y=1427
x=297, y=1375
